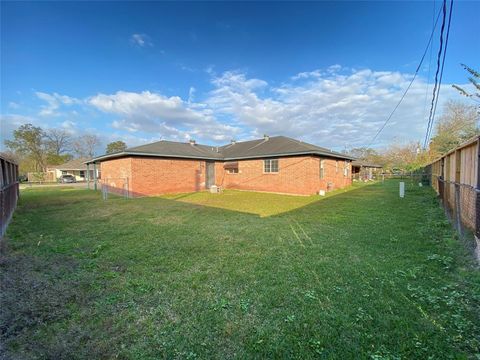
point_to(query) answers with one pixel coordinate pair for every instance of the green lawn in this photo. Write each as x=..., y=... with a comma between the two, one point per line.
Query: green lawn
x=358, y=274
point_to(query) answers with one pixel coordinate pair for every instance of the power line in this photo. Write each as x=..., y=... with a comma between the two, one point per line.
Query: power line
x=429, y=64
x=409, y=85
x=440, y=49
x=432, y=121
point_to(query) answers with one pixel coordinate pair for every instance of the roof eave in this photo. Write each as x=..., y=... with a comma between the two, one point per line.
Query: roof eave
x=320, y=153
x=131, y=153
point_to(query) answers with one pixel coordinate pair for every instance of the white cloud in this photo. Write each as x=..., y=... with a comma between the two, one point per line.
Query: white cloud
x=191, y=94
x=9, y=123
x=141, y=40
x=13, y=105
x=69, y=126
x=170, y=117
x=54, y=101
x=335, y=107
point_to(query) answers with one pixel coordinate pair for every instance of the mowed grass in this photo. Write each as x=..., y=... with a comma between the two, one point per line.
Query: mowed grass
x=362, y=274
x=263, y=204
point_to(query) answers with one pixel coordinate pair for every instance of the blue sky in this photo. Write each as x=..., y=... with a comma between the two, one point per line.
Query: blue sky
x=325, y=72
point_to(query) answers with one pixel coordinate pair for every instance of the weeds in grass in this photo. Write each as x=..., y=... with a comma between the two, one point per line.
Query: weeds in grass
x=377, y=277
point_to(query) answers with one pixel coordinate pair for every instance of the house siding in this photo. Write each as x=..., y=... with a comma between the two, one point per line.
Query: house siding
x=296, y=175
x=117, y=174
x=154, y=176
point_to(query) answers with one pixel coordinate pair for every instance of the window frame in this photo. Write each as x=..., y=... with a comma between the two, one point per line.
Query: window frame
x=268, y=169
x=345, y=168
x=232, y=171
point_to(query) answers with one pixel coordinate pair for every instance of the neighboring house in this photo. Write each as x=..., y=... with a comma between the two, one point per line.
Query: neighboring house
x=272, y=164
x=362, y=170
x=75, y=167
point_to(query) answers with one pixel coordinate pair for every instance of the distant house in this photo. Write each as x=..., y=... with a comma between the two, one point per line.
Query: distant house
x=75, y=167
x=272, y=164
x=362, y=170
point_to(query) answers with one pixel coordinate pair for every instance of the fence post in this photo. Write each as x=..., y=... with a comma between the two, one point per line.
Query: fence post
x=94, y=176
x=458, y=210
x=477, y=205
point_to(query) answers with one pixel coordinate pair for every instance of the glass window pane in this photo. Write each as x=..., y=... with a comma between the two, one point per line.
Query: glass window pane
x=274, y=165
x=266, y=167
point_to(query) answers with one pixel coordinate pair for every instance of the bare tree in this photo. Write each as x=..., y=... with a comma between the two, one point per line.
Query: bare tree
x=85, y=145
x=58, y=141
x=458, y=123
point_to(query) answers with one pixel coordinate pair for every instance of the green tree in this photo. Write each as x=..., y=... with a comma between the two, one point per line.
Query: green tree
x=474, y=79
x=116, y=146
x=367, y=154
x=54, y=159
x=458, y=123
x=28, y=142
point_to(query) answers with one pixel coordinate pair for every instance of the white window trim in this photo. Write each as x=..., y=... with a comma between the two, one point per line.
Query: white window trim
x=270, y=166
x=322, y=169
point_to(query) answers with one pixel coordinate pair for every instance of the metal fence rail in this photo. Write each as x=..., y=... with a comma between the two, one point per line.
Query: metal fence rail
x=461, y=203
x=456, y=178
x=117, y=186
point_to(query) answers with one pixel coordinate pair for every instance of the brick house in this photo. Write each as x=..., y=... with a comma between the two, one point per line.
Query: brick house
x=272, y=164
x=75, y=167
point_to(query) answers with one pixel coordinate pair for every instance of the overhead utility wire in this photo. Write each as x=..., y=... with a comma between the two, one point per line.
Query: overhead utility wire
x=429, y=65
x=409, y=85
x=430, y=128
x=435, y=86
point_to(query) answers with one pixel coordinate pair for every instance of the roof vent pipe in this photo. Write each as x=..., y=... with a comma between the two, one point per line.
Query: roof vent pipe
x=266, y=137
x=192, y=142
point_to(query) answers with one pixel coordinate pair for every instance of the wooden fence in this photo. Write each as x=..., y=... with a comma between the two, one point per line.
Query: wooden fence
x=456, y=178
x=8, y=192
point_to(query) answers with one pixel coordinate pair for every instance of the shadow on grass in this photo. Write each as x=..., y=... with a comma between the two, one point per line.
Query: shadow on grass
x=257, y=203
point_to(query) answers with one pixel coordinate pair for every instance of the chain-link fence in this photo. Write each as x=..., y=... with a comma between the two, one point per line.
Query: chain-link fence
x=462, y=207
x=116, y=186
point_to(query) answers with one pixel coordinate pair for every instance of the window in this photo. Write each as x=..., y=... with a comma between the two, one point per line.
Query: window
x=322, y=169
x=232, y=171
x=345, y=169
x=270, y=165
x=64, y=172
x=82, y=173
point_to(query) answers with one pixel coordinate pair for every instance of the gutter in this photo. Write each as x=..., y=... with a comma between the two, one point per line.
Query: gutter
x=128, y=153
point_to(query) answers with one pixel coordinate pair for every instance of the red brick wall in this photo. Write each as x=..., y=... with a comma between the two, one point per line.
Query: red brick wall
x=297, y=175
x=334, y=174
x=153, y=176
x=117, y=173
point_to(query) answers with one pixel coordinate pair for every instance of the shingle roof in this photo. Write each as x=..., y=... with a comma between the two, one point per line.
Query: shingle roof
x=274, y=146
x=260, y=148
x=177, y=149
x=365, y=164
x=75, y=164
